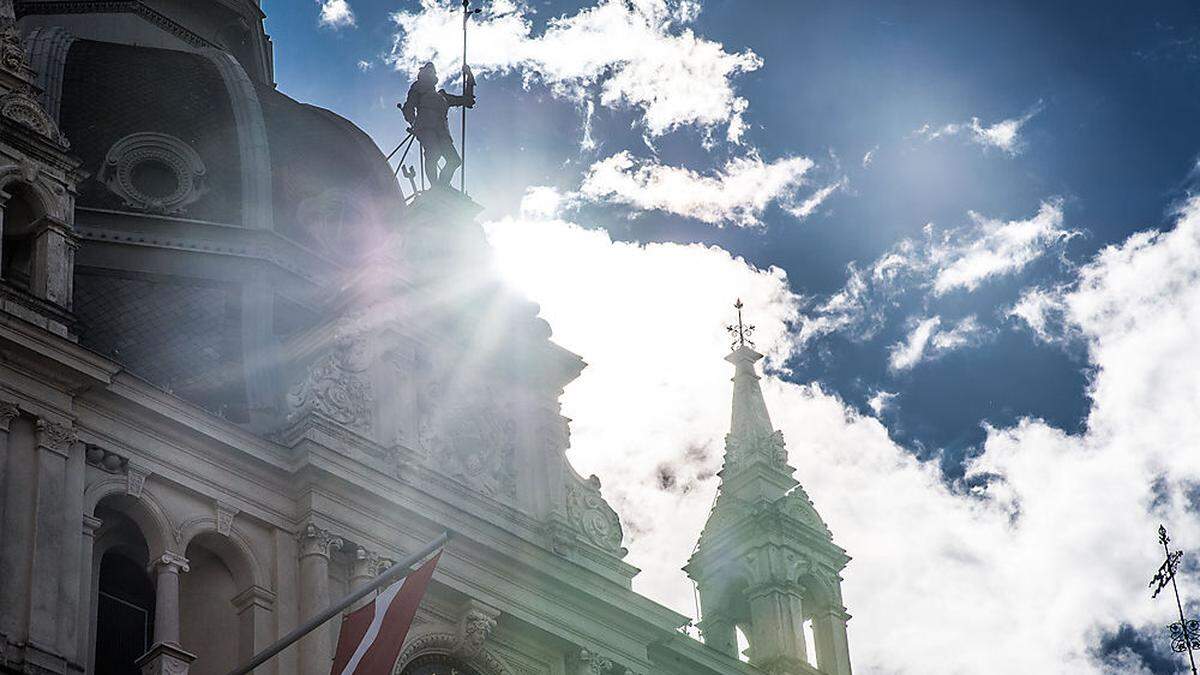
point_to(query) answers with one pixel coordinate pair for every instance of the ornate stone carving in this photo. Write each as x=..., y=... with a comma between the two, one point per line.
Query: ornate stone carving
x=475, y=626
x=136, y=476
x=594, y=664
x=105, y=460
x=335, y=385
x=165, y=659
x=769, y=447
x=179, y=171
x=54, y=436
x=446, y=643
x=225, y=514
x=22, y=107
x=471, y=436
x=592, y=517
x=12, y=49
x=318, y=541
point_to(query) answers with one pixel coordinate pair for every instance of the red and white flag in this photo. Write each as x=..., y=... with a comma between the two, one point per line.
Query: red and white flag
x=372, y=635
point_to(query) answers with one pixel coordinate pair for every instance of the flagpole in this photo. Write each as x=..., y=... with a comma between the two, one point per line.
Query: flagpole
x=312, y=624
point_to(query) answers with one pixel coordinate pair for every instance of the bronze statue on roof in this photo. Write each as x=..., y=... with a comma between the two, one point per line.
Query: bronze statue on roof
x=426, y=110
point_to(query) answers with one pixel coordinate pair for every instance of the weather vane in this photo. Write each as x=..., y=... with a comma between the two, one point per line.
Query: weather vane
x=1185, y=633
x=742, y=331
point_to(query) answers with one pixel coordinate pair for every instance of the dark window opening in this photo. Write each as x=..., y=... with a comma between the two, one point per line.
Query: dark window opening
x=124, y=615
x=16, y=249
x=154, y=179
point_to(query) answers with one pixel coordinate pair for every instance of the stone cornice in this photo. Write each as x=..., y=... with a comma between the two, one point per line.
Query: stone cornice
x=136, y=7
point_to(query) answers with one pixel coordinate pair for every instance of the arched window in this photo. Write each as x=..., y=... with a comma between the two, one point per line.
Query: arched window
x=17, y=248
x=437, y=664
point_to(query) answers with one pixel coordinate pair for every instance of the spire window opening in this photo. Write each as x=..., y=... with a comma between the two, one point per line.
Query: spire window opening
x=743, y=645
x=16, y=248
x=810, y=642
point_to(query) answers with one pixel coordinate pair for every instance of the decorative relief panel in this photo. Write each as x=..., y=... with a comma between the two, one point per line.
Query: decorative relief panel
x=336, y=384
x=471, y=436
x=154, y=172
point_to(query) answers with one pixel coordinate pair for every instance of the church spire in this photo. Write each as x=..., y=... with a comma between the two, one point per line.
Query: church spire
x=766, y=563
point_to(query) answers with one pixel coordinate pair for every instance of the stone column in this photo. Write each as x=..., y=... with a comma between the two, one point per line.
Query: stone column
x=8, y=411
x=166, y=597
x=254, y=608
x=833, y=649
x=316, y=648
x=86, y=590
x=54, y=445
x=777, y=627
x=720, y=634
x=363, y=569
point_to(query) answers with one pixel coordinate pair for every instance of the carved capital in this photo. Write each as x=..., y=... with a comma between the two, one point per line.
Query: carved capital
x=90, y=525
x=594, y=664
x=170, y=562
x=56, y=437
x=475, y=626
x=368, y=564
x=254, y=597
x=8, y=410
x=318, y=541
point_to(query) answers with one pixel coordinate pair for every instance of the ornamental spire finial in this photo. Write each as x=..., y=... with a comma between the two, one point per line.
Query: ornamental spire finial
x=742, y=331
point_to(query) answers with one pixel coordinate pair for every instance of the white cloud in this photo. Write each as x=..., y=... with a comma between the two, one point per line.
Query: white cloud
x=1003, y=135
x=640, y=54
x=996, y=248
x=1055, y=549
x=543, y=201
x=927, y=341
x=737, y=194
x=869, y=157
x=1041, y=310
x=365, y=65
x=805, y=208
x=336, y=14
x=882, y=401
x=957, y=259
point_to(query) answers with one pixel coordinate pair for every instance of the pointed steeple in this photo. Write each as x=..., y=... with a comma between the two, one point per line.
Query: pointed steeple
x=766, y=562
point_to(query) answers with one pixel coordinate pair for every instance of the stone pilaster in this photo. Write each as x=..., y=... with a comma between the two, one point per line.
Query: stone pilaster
x=316, y=648
x=54, y=445
x=720, y=634
x=166, y=597
x=54, y=261
x=833, y=650
x=255, y=607
x=365, y=566
x=777, y=627
x=83, y=637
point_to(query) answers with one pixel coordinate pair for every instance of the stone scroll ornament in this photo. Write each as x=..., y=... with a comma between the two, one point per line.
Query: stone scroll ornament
x=335, y=385
x=592, y=517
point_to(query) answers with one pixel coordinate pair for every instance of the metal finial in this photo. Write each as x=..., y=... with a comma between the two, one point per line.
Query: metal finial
x=1185, y=633
x=742, y=331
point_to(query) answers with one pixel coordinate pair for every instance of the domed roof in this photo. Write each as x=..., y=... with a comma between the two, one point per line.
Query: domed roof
x=169, y=132
x=331, y=184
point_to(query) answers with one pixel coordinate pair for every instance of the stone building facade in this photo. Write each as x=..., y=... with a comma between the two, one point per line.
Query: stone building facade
x=239, y=373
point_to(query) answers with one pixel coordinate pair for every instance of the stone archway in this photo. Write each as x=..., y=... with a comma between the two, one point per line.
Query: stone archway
x=438, y=664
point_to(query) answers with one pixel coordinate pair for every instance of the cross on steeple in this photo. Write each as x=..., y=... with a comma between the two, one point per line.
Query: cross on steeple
x=742, y=331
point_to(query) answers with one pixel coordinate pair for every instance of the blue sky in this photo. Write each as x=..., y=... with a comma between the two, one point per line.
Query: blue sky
x=933, y=209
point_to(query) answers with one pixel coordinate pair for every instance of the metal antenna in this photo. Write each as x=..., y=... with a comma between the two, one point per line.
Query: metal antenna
x=1185, y=633
x=462, y=176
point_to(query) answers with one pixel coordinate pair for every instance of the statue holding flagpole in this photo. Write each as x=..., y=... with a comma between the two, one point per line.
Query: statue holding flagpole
x=426, y=110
